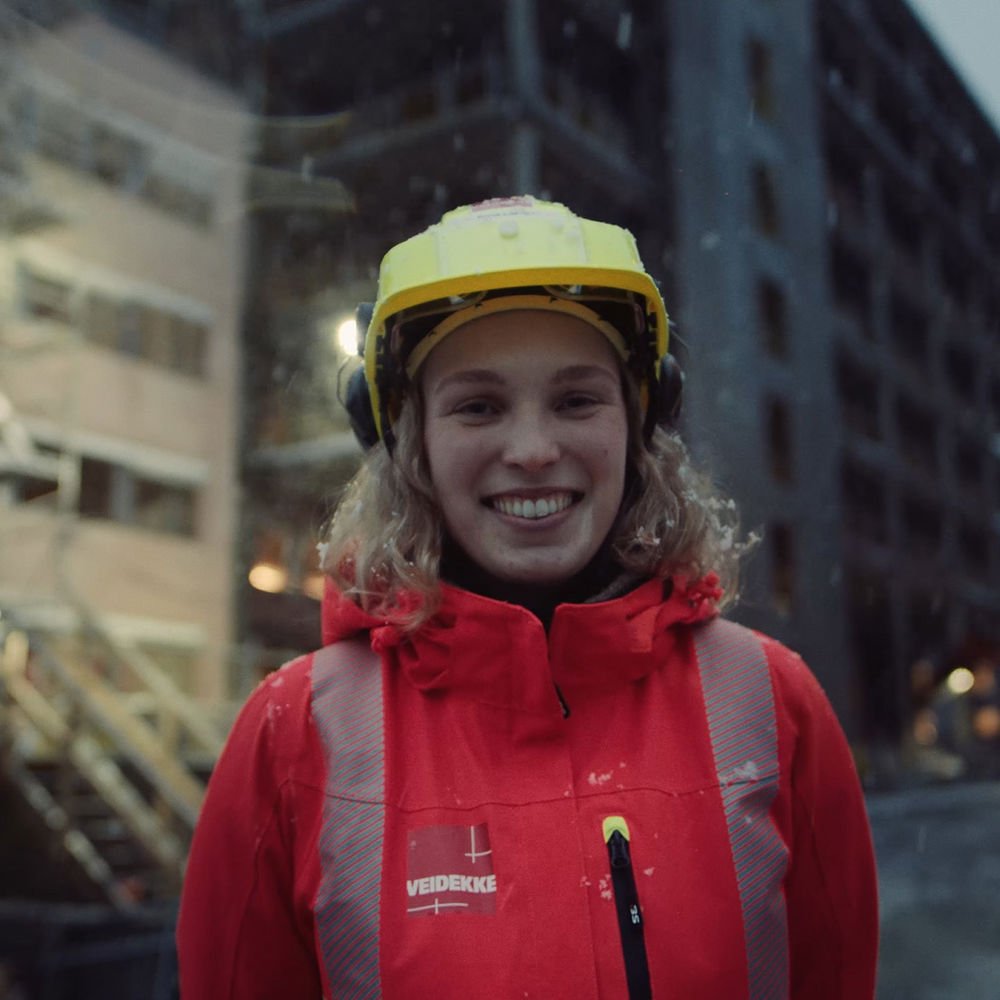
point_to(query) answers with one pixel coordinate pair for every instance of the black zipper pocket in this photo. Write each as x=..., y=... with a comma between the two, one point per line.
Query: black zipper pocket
x=630, y=924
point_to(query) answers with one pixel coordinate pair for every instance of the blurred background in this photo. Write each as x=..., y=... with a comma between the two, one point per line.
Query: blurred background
x=195, y=195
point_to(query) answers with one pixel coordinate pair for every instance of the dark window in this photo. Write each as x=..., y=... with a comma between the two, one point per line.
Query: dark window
x=116, y=159
x=947, y=184
x=891, y=26
x=858, y=391
x=178, y=199
x=908, y=330
x=772, y=317
x=782, y=543
x=45, y=298
x=35, y=489
x=471, y=85
x=840, y=57
x=926, y=632
x=955, y=279
x=922, y=524
x=767, y=214
x=903, y=223
x=142, y=331
x=869, y=611
x=760, y=72
x=917, y=433
x=897, y=116
x=960, y=368
x=974, y=543
x=969, y=465
x=96, y=489
x=116, y=493
x=778, y=438
x=864, y=502
x=851, y=284
x=164, y=507
x=846, y=176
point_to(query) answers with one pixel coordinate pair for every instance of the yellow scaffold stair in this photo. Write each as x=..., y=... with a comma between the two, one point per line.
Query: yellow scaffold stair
x=106, y=749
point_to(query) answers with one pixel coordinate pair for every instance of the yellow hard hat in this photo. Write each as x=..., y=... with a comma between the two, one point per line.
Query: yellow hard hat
x=534, y=254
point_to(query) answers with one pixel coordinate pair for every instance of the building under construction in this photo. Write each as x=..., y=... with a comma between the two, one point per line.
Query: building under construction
x=811, y=183
x=820, y=198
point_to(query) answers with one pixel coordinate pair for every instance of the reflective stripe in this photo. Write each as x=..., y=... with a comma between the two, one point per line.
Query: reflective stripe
x=347, y=708
x=736, y=683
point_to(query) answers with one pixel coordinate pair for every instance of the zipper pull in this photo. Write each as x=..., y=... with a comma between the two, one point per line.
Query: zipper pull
x=618, y=850
x=616, y=837
x=630, y=922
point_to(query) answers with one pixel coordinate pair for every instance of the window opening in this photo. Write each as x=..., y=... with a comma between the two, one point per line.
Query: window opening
x=782, y=541
x=766, y=207
x=772, y=316
x=779, y=440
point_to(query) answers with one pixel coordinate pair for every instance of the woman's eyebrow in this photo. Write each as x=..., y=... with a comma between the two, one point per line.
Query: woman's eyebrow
x=573, y=372
x=470, y=376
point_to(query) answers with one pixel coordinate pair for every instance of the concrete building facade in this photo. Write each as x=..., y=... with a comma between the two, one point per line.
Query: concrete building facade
x=120, y=348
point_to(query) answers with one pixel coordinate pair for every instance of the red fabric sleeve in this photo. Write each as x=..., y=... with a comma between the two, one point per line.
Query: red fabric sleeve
x=831, y=887
x=240, y=934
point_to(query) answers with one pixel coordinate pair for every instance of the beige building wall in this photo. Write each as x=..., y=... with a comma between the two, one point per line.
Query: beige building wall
x=119, y=349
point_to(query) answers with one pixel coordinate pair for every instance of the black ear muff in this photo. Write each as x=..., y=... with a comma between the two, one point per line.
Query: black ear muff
x=357, y=400
x=669, y=391
x=358, y=404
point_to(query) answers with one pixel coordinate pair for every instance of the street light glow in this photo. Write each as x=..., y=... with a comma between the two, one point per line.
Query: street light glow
x=268, y=577
x=347, y=337
x=960, y=680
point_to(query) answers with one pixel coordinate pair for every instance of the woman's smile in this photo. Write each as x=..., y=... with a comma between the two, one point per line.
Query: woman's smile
x=532, y=508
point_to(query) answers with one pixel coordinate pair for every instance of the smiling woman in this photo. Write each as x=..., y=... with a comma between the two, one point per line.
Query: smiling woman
x=531, y=760
x=526, y=436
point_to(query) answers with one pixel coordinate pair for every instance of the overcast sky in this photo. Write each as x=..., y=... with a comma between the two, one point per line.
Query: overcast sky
x=968, y=32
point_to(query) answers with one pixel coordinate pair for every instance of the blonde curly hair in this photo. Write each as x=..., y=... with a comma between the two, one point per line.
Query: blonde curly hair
x=384, y=541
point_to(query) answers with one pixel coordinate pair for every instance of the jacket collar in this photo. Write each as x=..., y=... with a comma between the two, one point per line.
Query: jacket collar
x=500, y=653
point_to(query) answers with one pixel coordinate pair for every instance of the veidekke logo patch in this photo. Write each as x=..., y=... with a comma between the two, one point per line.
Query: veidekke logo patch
x=450, y=870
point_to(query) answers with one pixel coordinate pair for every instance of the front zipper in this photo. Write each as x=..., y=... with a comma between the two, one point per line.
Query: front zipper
x=630, y=925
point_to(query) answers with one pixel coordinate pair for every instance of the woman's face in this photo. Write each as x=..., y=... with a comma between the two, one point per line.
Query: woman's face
x=526, y=437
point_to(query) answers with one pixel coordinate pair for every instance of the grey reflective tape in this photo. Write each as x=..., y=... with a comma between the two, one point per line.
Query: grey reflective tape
x=739, y=702
x=348, y=712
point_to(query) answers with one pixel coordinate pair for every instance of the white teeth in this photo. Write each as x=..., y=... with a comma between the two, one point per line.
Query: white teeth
x=533, y=509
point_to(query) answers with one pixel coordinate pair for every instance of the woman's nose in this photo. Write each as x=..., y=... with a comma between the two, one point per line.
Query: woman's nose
x=532, y=443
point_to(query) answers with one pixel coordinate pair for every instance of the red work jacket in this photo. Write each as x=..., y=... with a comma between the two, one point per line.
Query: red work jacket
x=433, y=820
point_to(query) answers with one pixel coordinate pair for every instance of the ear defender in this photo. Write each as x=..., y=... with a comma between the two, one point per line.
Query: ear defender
x=357, y=400
x=669, y=392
